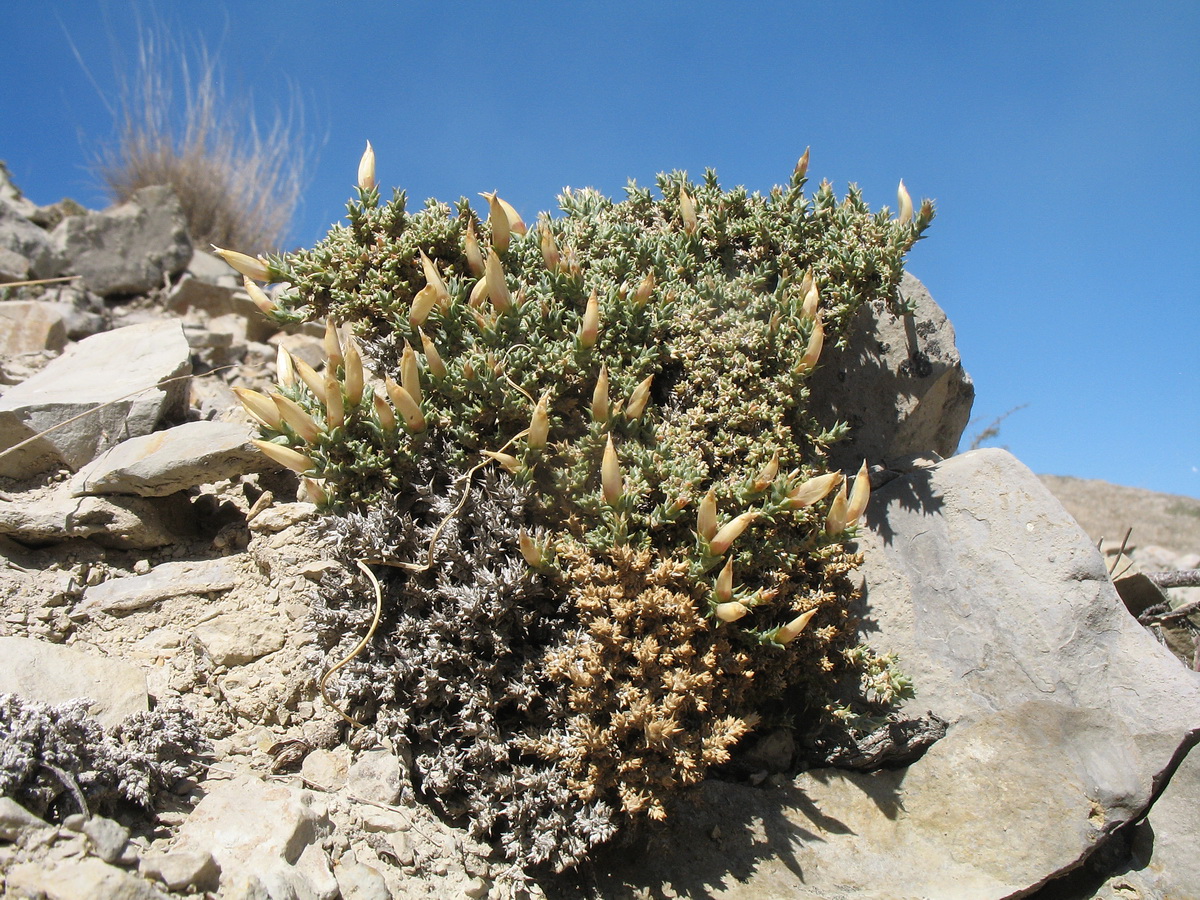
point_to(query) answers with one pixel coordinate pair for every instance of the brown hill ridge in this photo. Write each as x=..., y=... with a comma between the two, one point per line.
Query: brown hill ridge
x=1107, y=511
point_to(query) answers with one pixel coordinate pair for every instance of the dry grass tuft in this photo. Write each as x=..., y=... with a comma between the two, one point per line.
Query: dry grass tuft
x=238, y=184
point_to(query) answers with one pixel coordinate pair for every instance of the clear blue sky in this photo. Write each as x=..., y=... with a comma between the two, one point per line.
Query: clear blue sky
x=1061, y=141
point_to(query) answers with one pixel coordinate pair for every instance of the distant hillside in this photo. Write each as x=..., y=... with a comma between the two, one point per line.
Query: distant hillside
x=1107, y=510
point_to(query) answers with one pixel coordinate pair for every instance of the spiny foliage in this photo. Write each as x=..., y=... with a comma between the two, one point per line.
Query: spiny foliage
x=661, y=556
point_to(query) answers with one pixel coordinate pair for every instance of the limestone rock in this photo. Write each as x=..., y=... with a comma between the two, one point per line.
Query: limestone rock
x=54, y=674
x=233, y=640
x=181, y=870
x=264, y=836
x=15, y=819
x=191, y=295
x=78, y=879
x=13, y=266
x=1064, y=716
x=361, y=882
x=129, y=249
x=26, y=240
x=164, y=462
x=94, y=377
x=378, y=776
x=900, y=384
x=27, y=326
x=1164, y=846
x=169, y=579
x=52, y=516
x=211, y=269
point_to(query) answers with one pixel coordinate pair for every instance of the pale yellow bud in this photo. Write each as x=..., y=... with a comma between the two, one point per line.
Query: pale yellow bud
x=905, y=202
x=250, y=266
x=645, y=289
x=501, y=233
x=611, y=482
x=265, y=304
x=730, y=532
x=533, y=550
x=479, y=293
x=814, y=490
x=433, y=359
x=706, y=516
x=724, y=587
x=410, y=373
x=506, y=460
x=806, y=282
x=333, y=345
x=497, y=287
x=835, y=519
x=354, y=372
x=383, y=412
x=260, y=407
x=859, y=495
x=731, y=611
x=638, y=400
x=589, y=331
x=812, y=353
x=433, y=279
x=812, y=300
x=335, y=406
x=550, y=255
x=285, y=369
x=312, y=491
x=408, y=408
x=285, y=456
x=802, y=166
x=473, y=253
x=785, y=634
x=687, y=211
x=302, y=423
x=422, y=305
x=314, y=382
x=767, y=474
x=366, y=169
x=539, y=424
x=600, y=396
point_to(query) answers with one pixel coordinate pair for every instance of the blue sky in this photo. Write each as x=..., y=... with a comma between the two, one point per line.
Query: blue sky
x=1061, y=142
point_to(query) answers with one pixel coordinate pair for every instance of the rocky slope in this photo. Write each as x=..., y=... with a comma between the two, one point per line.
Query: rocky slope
x=153, y=564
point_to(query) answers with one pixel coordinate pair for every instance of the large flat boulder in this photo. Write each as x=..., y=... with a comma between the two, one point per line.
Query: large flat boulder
x=50, y=673
x=899, y=383
x=104, y=390
x=129, y=249
x=1065, y=717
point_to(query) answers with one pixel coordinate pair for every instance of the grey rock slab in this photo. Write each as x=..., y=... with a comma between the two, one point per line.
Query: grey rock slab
x=16, y=819
x=192, y=294
x=234, y=640
x=129, y=249
x=108, y=838
x=25, y=239
x=899, y=383
x=169, y=579
x=1065, y=716
x=52, y=673
x=27, y=326
x=263, y=836
x=210, y=268
x=165, y=462
x=1165, y=844
x=53, y=516
x=13, y=266
x=78, y=879
x=104, y=390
